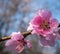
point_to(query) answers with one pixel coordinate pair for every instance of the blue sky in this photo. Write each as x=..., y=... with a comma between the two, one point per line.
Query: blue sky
x=52, y=5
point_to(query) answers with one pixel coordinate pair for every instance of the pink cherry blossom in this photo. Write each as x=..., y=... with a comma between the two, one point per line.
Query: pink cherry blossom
x=57, y=33
x=50, y=40
x=43, y=23
x=17, y=42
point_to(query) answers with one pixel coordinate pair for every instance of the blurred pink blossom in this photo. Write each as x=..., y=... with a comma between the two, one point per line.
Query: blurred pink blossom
x=57, y=33
x=50, y=40
x=17, y=42
x=43, y=23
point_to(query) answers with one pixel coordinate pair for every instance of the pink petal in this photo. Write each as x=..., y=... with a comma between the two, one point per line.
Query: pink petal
x=54, y=23
x=57, y=33
x=45, y=13
x=37, y=20
x=16, y=36
x=29, y=44
x=9, y=42
x=45, y=42
x=11, y=45
x=20, y=48
x=48, y=41
x=46, y=32
x=41, y=31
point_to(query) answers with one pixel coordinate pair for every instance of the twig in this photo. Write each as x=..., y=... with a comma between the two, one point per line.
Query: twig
x=24, y=34
x=9, y=37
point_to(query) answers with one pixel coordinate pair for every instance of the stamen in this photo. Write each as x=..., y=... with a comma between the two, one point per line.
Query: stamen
x=45, y=25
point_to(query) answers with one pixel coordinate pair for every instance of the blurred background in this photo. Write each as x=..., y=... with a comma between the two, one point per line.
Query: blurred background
x=15, y=16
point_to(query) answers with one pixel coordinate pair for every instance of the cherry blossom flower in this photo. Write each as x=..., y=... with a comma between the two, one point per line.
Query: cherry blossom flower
x=43, y=23
x=50, y=40
x=57, y=33
x=17, y=43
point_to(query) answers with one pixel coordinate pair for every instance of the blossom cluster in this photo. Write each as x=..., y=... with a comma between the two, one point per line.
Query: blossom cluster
x=17, y=42
x=44, y=25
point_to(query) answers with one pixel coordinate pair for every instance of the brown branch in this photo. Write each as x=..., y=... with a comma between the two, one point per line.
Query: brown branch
x=9, y=37
x=24, y=34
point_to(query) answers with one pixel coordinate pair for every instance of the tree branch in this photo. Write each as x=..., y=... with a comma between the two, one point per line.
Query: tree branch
x=23, y=33
x=9, y=37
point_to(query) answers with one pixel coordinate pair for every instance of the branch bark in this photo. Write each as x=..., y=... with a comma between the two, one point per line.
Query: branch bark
x=23, y=33
x=9, y=37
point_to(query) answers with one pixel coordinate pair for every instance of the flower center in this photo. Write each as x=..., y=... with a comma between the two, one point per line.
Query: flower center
x=22, y=41
x=45, y=25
